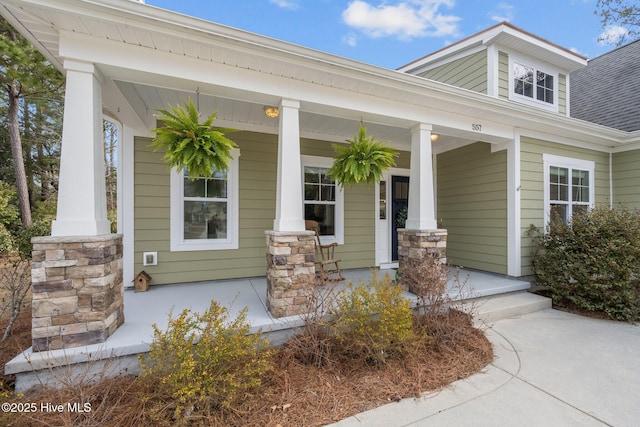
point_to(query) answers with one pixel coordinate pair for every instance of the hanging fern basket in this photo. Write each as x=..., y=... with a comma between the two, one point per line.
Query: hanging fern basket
x=197, y=147
x=363, y=161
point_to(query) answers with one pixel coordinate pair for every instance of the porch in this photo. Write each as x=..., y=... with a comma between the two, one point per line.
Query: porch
x=119, y=353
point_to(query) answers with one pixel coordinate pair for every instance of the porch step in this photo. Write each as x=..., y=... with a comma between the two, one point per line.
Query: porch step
x=492, y=308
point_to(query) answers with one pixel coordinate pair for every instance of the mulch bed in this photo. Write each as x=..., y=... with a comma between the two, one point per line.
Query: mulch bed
x=292, y=394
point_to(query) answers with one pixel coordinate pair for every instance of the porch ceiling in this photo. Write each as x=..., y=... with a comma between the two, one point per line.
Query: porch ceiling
x=249, y=115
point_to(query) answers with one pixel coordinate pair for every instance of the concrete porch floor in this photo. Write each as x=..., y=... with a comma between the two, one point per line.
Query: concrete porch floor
x=144, y=309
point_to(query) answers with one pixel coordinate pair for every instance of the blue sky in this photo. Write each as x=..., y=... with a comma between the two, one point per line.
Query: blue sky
x=391, y=33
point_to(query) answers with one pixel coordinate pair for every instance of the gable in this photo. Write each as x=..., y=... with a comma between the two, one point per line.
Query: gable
x=469, y=72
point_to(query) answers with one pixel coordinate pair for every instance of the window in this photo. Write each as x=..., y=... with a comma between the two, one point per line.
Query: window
x=383, y=200
x=569, y=187
x=530, y=84
x=204, y=211
x=323, y=199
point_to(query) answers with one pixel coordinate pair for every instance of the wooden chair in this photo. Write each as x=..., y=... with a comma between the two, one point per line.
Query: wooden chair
x=325, y=257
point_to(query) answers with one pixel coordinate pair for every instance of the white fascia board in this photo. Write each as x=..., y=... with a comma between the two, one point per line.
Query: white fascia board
x=563, y=140
x=632, y=142
x=29, y=35
x=570, y=60
x=133, y=15
x=187, y=73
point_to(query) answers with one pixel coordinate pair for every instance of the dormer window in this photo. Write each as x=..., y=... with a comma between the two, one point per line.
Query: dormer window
x=533, y=85
x=529, y=82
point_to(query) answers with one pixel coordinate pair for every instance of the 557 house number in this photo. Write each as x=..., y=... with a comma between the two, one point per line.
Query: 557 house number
x=476, y=127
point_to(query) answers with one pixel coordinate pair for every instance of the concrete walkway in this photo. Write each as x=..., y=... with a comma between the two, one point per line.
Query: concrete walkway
x=551, y=369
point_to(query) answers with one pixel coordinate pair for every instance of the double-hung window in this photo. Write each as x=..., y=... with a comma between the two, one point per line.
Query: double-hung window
x=204, y=211
x=323, y=199
x=569, y=187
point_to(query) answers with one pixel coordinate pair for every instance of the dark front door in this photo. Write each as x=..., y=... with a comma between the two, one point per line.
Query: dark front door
x=399, y=206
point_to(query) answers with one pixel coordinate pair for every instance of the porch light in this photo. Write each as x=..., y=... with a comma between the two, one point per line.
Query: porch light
x=272, y=112
x=434, y=137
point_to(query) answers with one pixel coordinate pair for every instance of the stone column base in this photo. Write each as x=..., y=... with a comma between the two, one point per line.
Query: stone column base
x=77, y=290
x=420, y=246
x=291, y=273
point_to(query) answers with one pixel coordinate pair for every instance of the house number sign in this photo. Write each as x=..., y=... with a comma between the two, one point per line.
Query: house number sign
x=476, y=127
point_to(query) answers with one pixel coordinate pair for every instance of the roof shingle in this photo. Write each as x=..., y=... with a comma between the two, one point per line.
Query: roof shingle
x=607, y=90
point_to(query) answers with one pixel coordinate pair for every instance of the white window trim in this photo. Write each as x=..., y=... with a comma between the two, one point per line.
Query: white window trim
x=550, y=160
x=178, y=243
x=533, y=101
x=327, y=162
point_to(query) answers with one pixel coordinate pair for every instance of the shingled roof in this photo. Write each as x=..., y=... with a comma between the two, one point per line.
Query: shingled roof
x=607, y=90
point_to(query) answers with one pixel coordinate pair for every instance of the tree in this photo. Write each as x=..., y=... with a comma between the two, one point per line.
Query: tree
x=24, y=73
x=110, y=131
x=621, y=13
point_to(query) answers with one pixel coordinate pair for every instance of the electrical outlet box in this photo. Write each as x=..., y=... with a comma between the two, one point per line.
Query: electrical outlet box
x=149, y=258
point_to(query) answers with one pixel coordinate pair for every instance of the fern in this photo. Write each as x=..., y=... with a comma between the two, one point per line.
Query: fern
x=198, y=147
x=364, y=160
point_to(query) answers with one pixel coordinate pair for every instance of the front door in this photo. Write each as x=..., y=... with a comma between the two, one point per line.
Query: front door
x=399, y=207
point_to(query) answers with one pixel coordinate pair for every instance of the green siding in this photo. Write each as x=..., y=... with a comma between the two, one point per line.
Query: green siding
x=472, y=206
x=503, y=75
x=469, y=72
x=257, y=192
x=562, y=94
x=532, y=179
x=626, y=178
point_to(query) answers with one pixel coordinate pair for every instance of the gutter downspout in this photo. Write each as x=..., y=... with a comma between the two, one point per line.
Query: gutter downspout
x=610, y=180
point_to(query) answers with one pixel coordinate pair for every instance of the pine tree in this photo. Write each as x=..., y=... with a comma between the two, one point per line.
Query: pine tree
x=24, y=73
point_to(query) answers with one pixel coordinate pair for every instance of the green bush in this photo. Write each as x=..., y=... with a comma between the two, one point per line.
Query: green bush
x=9, y=215
x=205, y=360
x=7, y=241
x=23, y=236
x=593, y=262
x=372, y=321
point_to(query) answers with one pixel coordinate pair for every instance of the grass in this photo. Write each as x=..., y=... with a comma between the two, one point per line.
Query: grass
x=292, y=393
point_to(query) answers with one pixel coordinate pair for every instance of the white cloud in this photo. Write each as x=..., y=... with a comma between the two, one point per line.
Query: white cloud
x=503, y=12
x=612, y=35
x=285, y=4
x=350, y=39
x=403, y=19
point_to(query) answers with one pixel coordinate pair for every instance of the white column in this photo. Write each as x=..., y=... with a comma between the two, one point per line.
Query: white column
x=126, y=201
x=82, y=203
x=514, y=216
x=289, y=214
x=421, y=214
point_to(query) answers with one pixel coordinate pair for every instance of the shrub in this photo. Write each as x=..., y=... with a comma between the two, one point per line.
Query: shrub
x=9, y=215
x=372, y=321
x=23, y=236
x=7, y=241
x=205, y=361
x=15, y=283
x=593, y=262
x=426, y=278
x=314, y=344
